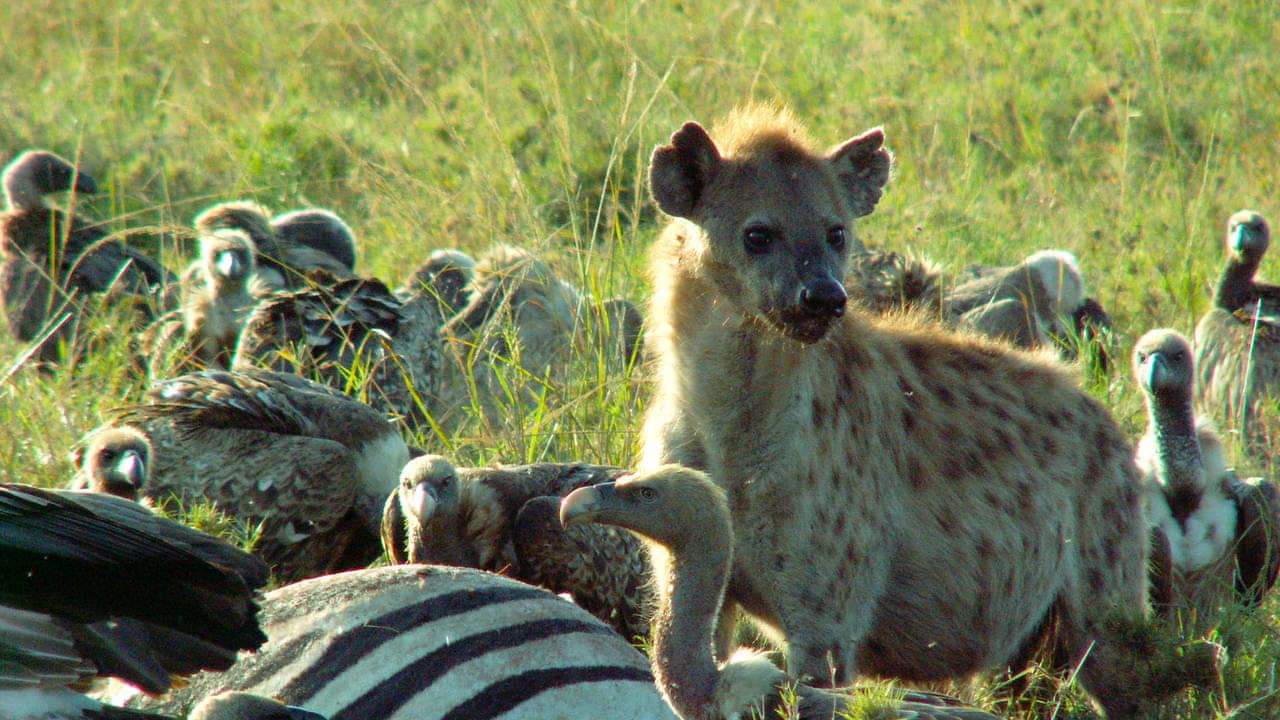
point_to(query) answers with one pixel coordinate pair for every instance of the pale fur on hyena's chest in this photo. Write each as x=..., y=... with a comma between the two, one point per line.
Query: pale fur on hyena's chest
x=802, y=498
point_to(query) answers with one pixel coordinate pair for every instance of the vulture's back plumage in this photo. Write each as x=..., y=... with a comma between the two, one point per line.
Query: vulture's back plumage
x=339, y=329
x=307, y=465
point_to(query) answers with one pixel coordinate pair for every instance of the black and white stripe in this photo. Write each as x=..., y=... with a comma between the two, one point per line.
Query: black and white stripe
x=426, y=642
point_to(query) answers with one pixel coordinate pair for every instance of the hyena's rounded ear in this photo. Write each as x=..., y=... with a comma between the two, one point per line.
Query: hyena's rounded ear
x=680, y=171
x=862, y=166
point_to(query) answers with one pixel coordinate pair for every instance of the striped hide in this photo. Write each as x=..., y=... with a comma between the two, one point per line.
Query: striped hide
x=423, y=642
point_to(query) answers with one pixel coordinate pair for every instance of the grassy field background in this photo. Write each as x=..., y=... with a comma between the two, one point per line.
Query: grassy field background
x=1123, y=131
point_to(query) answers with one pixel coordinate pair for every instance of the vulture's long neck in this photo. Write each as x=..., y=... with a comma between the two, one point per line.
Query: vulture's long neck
x=1173, y=428
x=1235, y=286
x=684, y=627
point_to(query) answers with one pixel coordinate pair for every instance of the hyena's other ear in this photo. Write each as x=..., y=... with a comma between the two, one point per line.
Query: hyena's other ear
x=680, y=171
x=862, y=165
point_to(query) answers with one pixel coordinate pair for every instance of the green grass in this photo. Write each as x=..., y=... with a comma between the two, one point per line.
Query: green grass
x=1124, y=131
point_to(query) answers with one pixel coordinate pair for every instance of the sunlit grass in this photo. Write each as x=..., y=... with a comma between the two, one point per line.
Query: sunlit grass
x=1124, y=131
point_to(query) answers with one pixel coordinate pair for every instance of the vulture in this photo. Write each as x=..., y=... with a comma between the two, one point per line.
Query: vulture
x=1038, y=302
x=97, y=586
x=520, y=330
x=505, y=519
x=217, y=300
x=1029, y=303
x=1218, y=532
x=50, y=259
x=305, y=464
x=113, y=461
x=281, y=262
x=1237, y=341
x=887, y=280
x=318, y=229
x=163, y=350
x=514, y=288
x=350, y=333
x=685, y=518
x=446, y=277
x=435, y=643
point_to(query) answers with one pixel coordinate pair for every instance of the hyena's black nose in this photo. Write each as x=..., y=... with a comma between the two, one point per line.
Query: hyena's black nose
x=824, y=297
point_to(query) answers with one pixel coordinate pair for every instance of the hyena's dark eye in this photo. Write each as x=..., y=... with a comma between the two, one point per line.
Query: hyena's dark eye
x=757, y=240
x=836, y=238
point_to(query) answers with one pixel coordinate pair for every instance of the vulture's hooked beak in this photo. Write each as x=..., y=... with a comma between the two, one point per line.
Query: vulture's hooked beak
x=585, y=504
x=229, y=265
x=85, y=184
x=132, y=468
x=422, y=502
x=1240, y=238
x=1156, y=371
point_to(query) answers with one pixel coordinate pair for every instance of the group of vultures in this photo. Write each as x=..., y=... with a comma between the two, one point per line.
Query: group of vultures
x=283, y=384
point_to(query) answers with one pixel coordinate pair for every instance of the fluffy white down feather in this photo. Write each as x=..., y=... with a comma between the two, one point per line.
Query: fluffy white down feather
x=1210, y=531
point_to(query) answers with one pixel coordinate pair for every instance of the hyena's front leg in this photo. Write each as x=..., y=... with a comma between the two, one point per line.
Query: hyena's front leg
x=826, y=616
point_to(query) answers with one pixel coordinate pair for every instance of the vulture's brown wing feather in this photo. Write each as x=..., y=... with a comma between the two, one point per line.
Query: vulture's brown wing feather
x=604, y=568
x=394, y=540
x=1257, y=537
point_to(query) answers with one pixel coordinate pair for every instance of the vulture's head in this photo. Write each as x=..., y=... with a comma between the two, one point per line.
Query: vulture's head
x=674, y=506
x=248, y=217
x=446, y=275
x=116, y=461
x=1248, y=236
x=245, y=706
x=36, y=173
x=1163, y=365
x=429, y=498
x=228, y=257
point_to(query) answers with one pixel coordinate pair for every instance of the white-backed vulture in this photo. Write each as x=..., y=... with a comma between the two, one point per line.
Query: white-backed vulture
x=307, y=465
x=686, y=519
x=434, y=643
x=215, y=306
x=1039, y=302
x=351, y=334
x=94, y=585
x=43, y=292
x=1222, y=533
x=281, y=263
x=1237, y=341
x=516, y=334
x=504, y=519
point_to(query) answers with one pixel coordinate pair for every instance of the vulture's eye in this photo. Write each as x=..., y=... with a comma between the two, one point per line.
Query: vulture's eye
x=648, y=493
